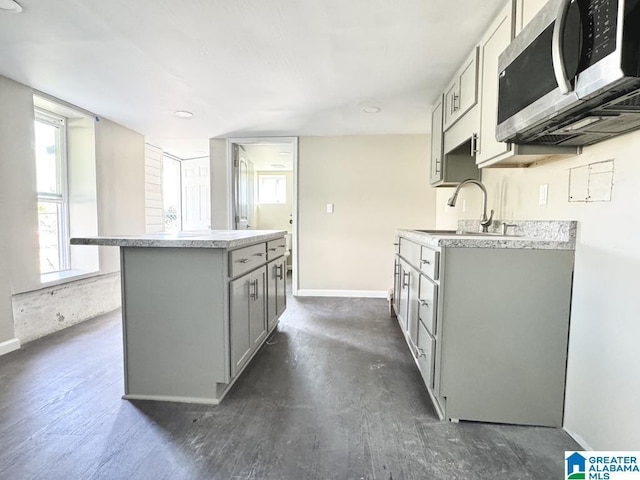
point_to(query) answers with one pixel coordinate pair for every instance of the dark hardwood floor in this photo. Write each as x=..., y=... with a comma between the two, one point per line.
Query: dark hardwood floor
x=334, y=394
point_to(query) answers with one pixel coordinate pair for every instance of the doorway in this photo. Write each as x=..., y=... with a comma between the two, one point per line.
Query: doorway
x=264, y=189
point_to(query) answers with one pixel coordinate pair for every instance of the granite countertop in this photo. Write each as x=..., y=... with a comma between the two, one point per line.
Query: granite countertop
x=528, y=234
x=201, y=239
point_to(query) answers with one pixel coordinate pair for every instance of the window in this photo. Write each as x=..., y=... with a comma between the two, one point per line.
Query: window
x=272, y=189
x=171, y=193
x=51, y=174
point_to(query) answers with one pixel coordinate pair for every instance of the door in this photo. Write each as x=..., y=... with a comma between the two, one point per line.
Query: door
x=244, y=202
x=196, y=195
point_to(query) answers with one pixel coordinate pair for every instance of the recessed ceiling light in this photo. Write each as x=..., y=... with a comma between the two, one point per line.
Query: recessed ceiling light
x=371, y=109
x=10, y=6
x=183, y=114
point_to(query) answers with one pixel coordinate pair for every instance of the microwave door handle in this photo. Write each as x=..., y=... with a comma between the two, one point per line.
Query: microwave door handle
x=557, y=54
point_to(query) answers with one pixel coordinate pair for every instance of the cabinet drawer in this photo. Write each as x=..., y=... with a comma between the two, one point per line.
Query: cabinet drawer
x=410, y=251
x=429, y=262
x=427, y=298
x=276, y=248
x=426, y=350
x=246, y=259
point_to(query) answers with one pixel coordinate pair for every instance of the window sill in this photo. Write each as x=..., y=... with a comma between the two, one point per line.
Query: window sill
x=65, y=276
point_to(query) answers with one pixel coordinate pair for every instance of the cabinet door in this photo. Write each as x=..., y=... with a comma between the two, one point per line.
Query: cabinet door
x=239, y=322
x=436, y=142
x=491, y=46
x=462, y=93
x=281, y=285
x=468, y=81
x=272, y=291
x=405, y=277
x=258, y=306
x=414, y=307
x=451, y=99
x=525, y=11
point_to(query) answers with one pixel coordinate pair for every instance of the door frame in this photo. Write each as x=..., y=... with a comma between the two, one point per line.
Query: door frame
x=293, y=141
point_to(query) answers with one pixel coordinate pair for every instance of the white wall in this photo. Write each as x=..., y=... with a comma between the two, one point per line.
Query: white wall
x=154, y=209
x=220, y=186
x=378, y=184
x=603, y=392
x=119, y=158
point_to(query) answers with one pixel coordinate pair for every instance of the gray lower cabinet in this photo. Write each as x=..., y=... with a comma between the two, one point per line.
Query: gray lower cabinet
x=247, y=316
x=491, y=332
x=277, y=290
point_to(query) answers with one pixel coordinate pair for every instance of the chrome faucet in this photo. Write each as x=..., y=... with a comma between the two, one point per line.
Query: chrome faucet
x=484, y=221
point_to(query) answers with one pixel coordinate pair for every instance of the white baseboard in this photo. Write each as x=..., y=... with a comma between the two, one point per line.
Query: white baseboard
x=9, y=346
x=343, y=293
x=585, y=446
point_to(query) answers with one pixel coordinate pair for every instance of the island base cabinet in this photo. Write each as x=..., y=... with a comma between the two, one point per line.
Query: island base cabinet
x=247, y=319
x=173, y=309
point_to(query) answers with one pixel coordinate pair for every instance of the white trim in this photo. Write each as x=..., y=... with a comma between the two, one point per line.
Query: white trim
x=169, y=398
x=9, y=346
x=343, y=293
x=579, y=440
x=230, y=188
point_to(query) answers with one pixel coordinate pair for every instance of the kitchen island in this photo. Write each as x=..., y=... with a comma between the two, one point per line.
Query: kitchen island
x=196, y=307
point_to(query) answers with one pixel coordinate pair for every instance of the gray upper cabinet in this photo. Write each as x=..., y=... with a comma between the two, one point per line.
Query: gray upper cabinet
x=462, y=93
x=492, y=44
x=437, y=174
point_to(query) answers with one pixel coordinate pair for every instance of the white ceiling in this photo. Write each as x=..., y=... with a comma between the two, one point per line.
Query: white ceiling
x=244, y=67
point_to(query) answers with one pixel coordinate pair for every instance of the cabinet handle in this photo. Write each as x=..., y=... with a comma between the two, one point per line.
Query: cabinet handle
x=272, y=249
x=438, y=166
x=280, y=269
x=474, y=144
x=254, y=284
x=396, y=244
x=259, y=254
x=428, y=262
x=404, y=282
x=455, y=105
x=421, y=352
x=244, y=260
x=424, y=303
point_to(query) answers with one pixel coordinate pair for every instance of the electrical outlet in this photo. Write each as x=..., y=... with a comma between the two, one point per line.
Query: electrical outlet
x=543, y=194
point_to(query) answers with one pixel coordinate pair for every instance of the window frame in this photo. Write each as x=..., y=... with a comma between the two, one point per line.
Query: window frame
x=61, y=198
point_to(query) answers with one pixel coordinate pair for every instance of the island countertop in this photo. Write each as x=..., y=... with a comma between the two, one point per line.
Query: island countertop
x=197, y=239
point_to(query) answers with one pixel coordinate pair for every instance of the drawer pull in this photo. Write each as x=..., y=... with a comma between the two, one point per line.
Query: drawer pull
x=244, y=260
x=421, y=352
x=396, y=244
x=424, y=303
x=428, y=262
x=259, y=254
x=272, y=249
x=405, y=283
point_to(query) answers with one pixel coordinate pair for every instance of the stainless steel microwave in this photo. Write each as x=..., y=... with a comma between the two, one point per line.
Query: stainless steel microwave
x=572, y=76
